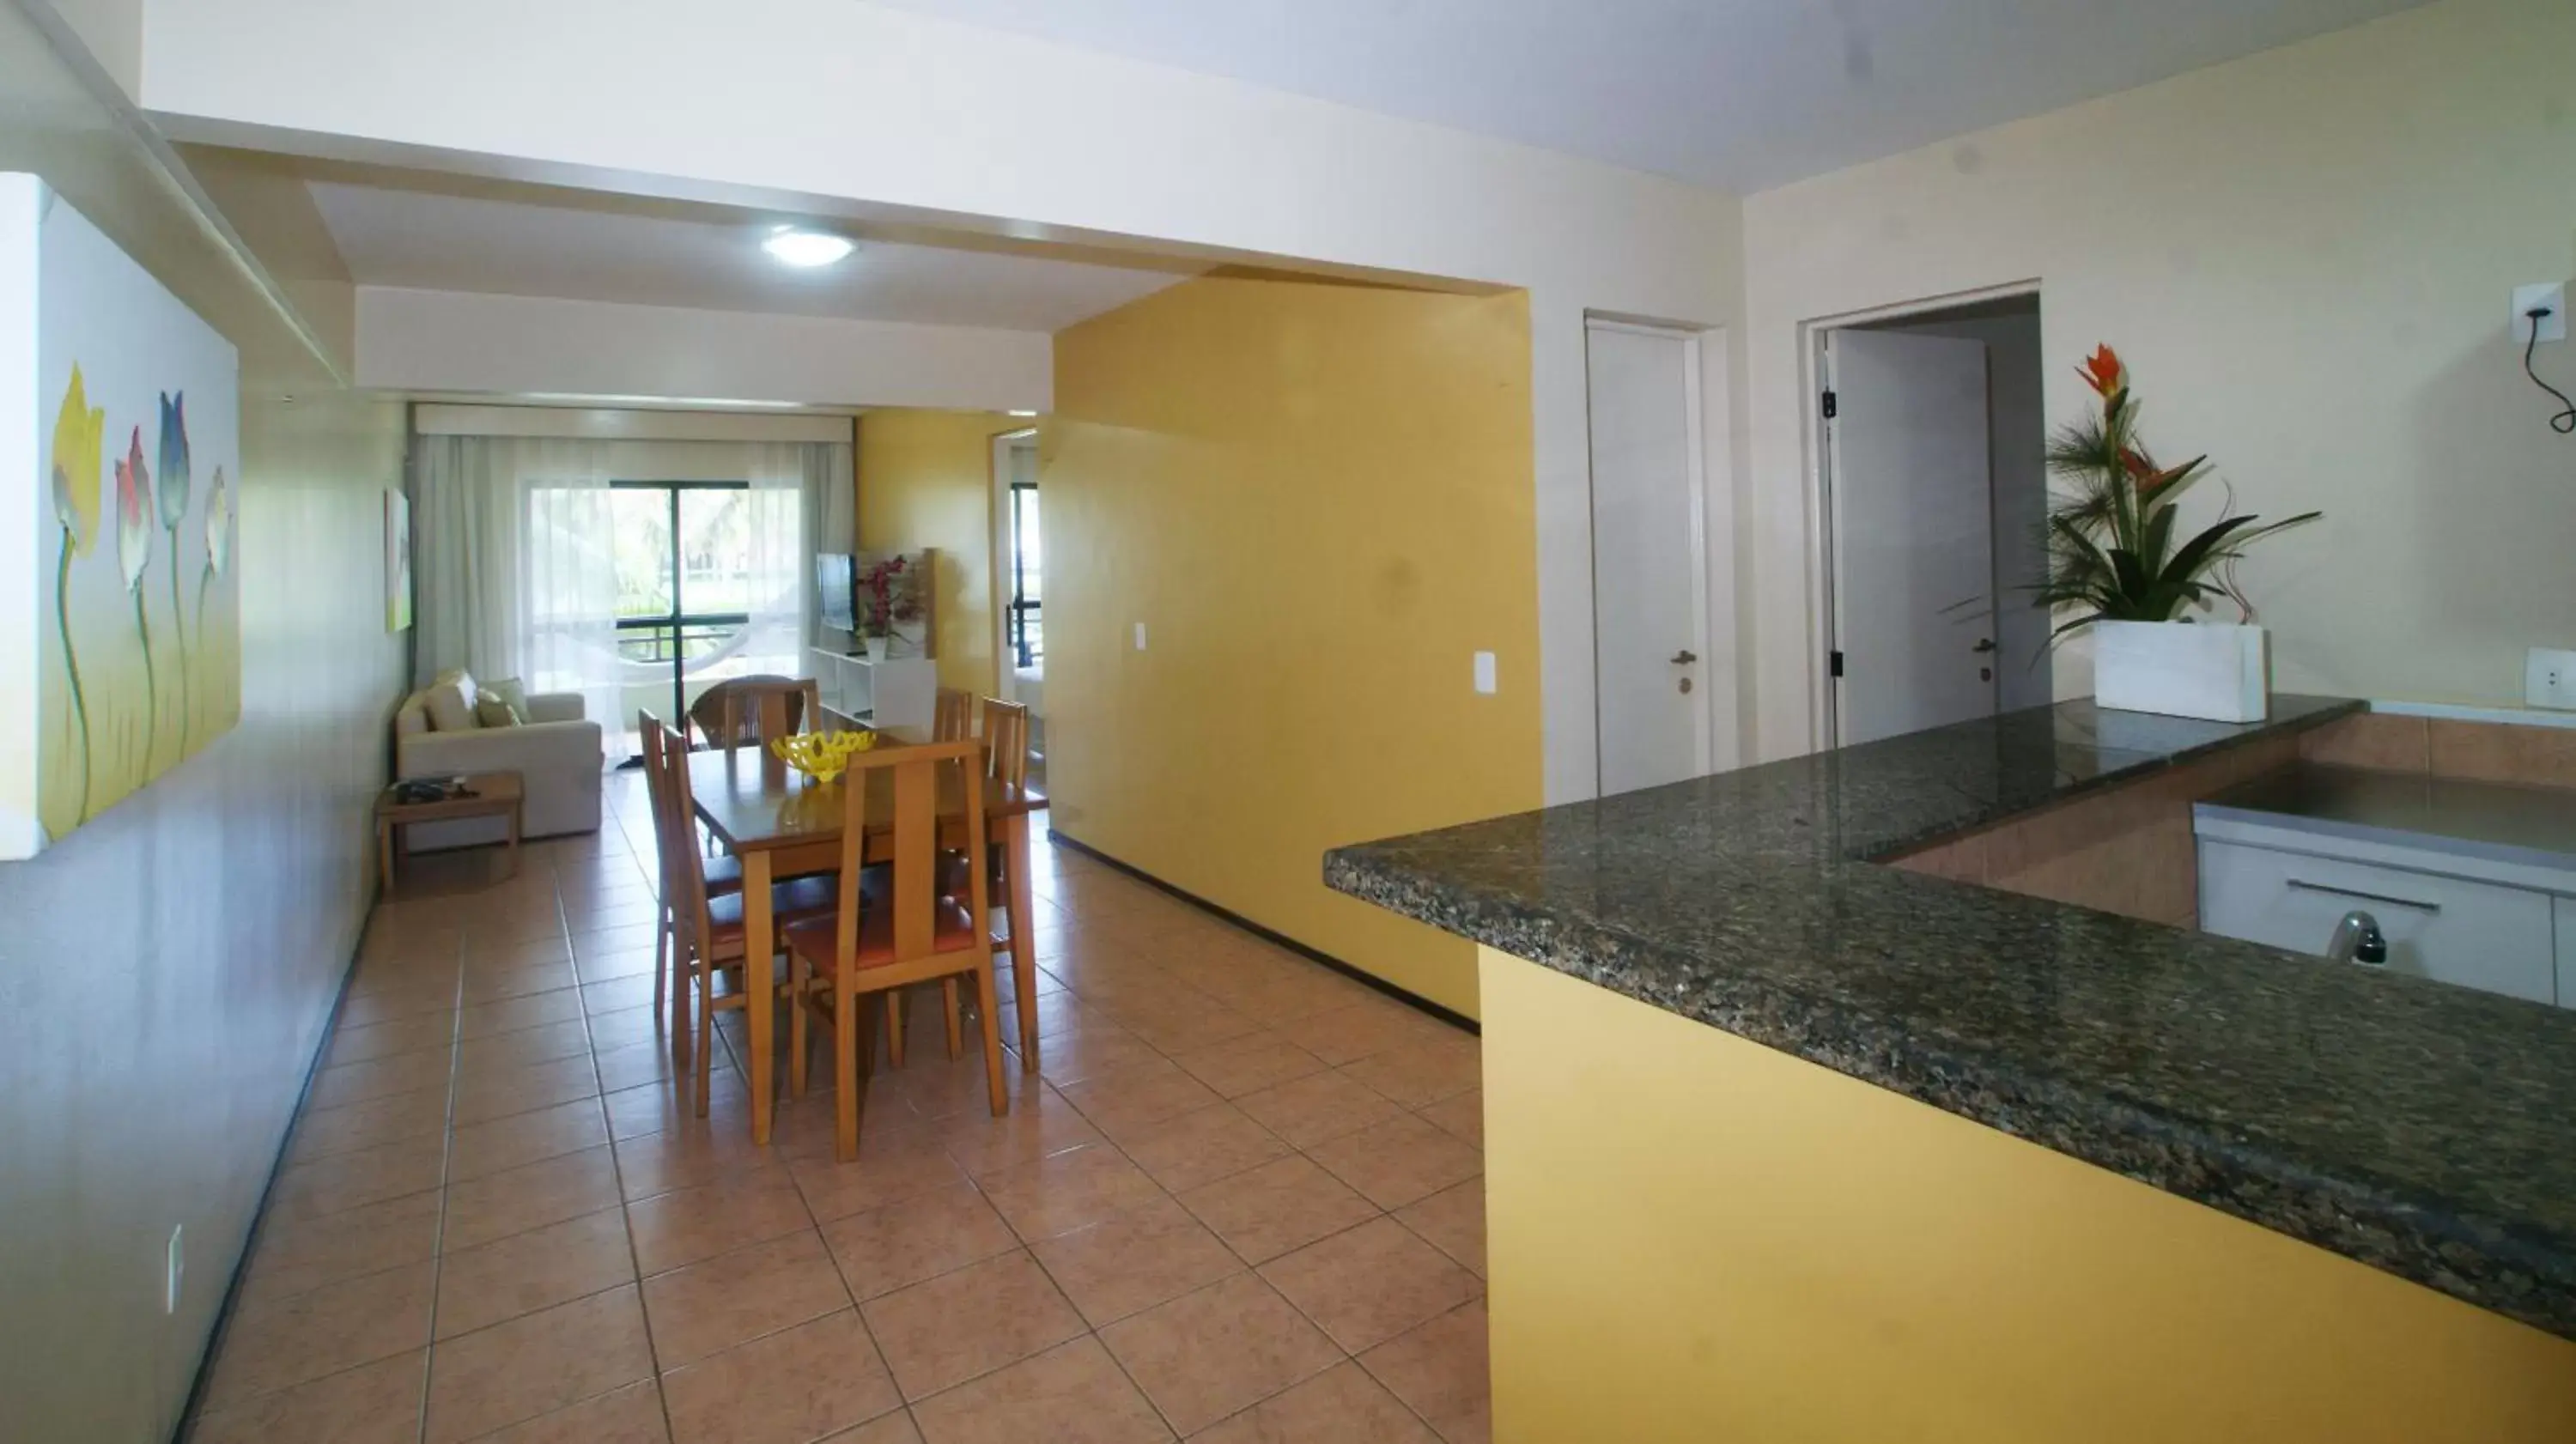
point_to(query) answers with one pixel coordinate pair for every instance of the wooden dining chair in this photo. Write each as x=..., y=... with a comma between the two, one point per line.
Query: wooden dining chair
x=721, y=876
x=909, y=930
x=953, y=719
x=738, y=710
x=712, y=927
x=1006, y=752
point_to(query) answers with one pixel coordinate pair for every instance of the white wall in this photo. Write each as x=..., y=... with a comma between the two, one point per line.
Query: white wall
x=175, y=961
x=453, y=341
x=2306, y=257
x=845, y=107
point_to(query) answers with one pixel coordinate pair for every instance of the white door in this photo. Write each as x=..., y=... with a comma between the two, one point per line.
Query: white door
x=1914, y=566
x=1649, y=567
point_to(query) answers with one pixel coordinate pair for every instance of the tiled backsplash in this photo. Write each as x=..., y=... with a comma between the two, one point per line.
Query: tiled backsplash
x=2444, y=747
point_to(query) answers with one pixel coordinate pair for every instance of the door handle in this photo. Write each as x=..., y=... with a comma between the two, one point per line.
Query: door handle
x=1684, y=659
x=1984, y=644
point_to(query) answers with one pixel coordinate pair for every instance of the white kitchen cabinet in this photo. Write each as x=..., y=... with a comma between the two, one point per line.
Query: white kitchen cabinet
x=2452, y=929
x=2566, y=908
x=2472, y=883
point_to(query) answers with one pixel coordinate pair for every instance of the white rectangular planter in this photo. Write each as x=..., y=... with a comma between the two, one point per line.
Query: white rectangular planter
x=2218, y=673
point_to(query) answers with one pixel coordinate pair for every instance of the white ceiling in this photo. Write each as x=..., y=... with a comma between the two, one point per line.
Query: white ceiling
x=594, y=250
x=1741, y=94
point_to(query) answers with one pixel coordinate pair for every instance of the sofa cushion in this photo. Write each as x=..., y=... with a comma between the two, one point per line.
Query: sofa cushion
x=411, y=719
x=510, y=690
x=491, y=709
x=450, y=701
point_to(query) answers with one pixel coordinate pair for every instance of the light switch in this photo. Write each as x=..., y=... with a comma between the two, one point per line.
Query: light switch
x=1140, y=636
x=1485, y=673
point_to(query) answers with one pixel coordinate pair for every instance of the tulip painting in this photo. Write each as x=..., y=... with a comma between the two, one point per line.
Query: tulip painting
x=134, y=555
x=173, y=496
x=219, y=543
x=133, y=598
x=77, y=433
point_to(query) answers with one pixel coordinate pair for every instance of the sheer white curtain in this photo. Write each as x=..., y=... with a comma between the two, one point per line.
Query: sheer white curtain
x=802, y=504
x=515, y=571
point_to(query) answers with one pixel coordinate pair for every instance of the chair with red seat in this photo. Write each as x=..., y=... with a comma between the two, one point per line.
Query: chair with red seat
x=906, y=929
x=722, y=875
x=712, y=941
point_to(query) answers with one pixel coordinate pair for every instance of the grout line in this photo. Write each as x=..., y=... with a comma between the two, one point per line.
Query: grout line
x=944, y=1126
x=447, y=1154
x=617, y=1163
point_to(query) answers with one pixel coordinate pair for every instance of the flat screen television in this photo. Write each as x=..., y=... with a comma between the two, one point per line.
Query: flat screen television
x=835, y=577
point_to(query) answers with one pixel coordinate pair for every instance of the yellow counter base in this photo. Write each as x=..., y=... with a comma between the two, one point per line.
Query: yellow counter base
x=1693, y=1237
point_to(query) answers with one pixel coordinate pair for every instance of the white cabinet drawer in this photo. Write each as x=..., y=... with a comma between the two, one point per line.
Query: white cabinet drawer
x=2567, y=952
x=2471, y=933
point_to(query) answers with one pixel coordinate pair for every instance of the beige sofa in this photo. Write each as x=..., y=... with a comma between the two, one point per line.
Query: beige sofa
x=557, y=753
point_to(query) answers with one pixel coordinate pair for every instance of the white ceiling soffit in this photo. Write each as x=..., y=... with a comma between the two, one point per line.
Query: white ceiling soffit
x=429, y=239
x=1740, y=94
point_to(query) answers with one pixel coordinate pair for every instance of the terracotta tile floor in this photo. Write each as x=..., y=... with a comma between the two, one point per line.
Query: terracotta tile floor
x=1243, y=1201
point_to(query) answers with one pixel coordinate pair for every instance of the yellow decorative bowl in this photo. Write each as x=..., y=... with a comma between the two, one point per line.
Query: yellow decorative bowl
x=821, y=755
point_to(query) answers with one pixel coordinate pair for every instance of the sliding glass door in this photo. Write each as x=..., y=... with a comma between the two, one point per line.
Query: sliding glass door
x=1021, y=627
x=706, y=588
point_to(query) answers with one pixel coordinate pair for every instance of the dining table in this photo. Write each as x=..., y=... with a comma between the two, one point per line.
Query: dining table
x=777, y=822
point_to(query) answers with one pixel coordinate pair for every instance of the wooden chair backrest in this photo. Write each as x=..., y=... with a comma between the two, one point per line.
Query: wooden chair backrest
x=684, y=869
x=914, y=776
x=657, y=794
x=1006, y=732
x=756, y=709
x=954, y=718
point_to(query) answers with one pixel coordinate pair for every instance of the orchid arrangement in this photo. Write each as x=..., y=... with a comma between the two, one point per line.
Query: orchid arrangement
x=2112, y=555
x=893, y=589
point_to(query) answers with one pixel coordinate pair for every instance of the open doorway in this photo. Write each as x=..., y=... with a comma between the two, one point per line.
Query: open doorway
x=1019, y=585
x=1936, y=497
x=1662, y=541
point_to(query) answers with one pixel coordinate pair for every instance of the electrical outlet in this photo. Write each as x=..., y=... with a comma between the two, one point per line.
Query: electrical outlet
x=175, y=1270
x=2548, y=295
x=1140, y=636
x=2549, y=679
x=1485, y=673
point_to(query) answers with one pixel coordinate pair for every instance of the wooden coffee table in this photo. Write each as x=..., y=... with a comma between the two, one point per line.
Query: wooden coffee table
x=488, y=794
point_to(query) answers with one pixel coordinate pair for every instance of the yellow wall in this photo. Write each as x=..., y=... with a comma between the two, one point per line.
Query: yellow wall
x=2306, y=257
x=1693, y=1237
x=926, y=480
x=1318, y=500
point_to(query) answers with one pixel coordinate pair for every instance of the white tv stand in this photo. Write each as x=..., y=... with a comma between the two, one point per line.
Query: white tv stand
x=897, y=692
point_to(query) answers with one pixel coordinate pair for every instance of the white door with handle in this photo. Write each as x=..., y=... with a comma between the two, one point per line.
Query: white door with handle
x=1913, y=532
x=1649, y=555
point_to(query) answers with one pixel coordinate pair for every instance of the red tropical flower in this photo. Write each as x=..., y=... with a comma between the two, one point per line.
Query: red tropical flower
x=2103, y=372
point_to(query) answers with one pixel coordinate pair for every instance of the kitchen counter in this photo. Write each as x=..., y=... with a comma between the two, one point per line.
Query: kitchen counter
x=2425, y=1130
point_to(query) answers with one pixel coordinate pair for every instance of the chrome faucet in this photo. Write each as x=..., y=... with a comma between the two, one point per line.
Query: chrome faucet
x=2357, y=939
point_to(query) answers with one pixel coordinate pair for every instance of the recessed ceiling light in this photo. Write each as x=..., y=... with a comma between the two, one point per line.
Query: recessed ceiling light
x=1024, y=413
x=806, y=249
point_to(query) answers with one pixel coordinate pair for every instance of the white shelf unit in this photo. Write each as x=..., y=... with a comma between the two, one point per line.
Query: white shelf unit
x=897, y=692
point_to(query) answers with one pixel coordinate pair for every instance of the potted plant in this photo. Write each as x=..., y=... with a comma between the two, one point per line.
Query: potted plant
x=892, y=596
x=2113, y=559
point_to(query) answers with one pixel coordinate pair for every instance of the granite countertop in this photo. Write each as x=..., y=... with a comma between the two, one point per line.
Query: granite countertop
x=2497, y=821
x=2424, y=1129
